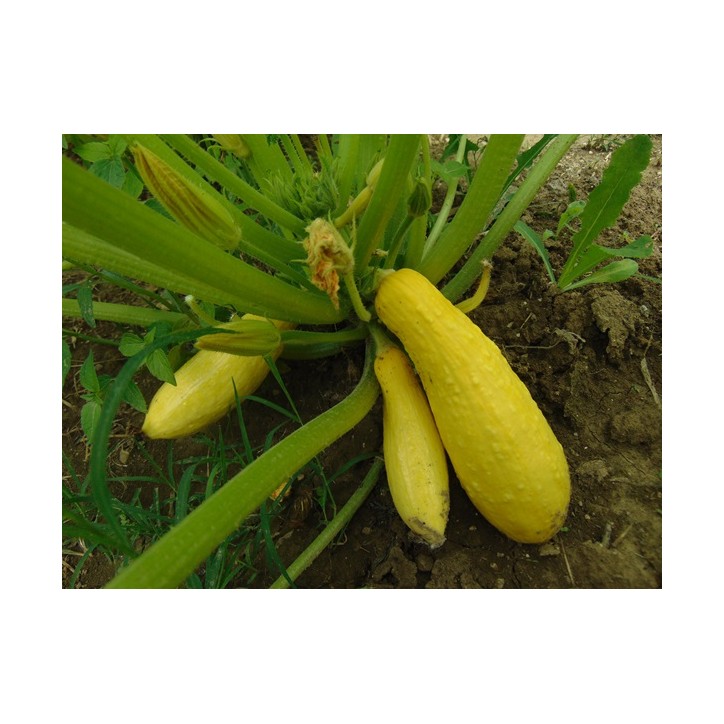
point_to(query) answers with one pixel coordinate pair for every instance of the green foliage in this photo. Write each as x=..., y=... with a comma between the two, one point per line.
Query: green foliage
x=157, y=361
x=96, y=387
x=600, y=211
x=110, y=161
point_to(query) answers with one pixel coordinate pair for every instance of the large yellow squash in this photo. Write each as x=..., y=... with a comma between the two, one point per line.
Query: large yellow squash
x=504, y=452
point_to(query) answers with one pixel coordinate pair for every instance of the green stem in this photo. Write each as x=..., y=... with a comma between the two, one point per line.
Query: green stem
x=87, y=249
x=416, y=241
x=448, y=201
x=380, y=339
x=301, y=345
x=476, y=208
x=396, y=243
x=301, y=152
x=266, y=158
x=123, y=313
x=357, y=303
x=347, y=153
x=537, y=176
x=301, y=338
x=324, y=148
x=388, y=191
x=333, y=528
x=168, y=562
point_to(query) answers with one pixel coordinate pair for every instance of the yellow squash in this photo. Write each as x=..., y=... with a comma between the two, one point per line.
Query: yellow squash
x=204, y=390
x=415, y=459
x=505, y=454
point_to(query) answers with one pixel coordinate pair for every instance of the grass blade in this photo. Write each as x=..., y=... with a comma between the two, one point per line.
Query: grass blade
x=537, y=243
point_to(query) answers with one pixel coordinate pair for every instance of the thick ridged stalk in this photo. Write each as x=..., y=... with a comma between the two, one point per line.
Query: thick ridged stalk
x=124, y=313
x=85, y=248
x=168, y=562
x=388, y=191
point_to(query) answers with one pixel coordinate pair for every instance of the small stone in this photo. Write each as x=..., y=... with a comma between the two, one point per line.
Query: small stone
x=499, y=582
x=549, y=549
x=425, y=562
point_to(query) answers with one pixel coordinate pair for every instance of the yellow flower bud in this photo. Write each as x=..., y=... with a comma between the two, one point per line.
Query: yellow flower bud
x=246, y=337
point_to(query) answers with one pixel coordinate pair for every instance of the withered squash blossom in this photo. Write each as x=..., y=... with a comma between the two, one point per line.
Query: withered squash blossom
x=328, y=257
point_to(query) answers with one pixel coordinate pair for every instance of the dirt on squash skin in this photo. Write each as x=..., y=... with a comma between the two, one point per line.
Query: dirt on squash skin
x=591, y=359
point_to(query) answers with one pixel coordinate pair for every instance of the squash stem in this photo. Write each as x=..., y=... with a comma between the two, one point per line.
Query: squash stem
x=357, y=304
x=467, y=305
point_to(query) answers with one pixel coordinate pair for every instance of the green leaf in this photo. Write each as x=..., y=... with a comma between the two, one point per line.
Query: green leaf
x=607, y=200
x=89, y=415
x=132, y=184
x=94, y=151
x=537, y=243
x=160, y=367
x=132, y=395
x=117, y=145
x=449, y=171
x=67, y=360
x=85, y=304
x=88, y=376
x=638, y=249
x=574, y=210
x=110, y=170
x=616, y=271
x=130, y=344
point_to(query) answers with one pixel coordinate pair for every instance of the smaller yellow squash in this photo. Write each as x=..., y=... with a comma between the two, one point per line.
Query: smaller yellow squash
x=204, y=390
x=415, y=459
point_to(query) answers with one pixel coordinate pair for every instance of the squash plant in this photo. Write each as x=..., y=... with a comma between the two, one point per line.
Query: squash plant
x=240, y=229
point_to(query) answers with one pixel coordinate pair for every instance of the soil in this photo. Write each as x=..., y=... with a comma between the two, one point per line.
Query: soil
x=591, y=358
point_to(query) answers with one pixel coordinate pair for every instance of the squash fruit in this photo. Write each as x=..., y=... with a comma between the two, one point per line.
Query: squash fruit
x=504, y=453
x=415, y=458
x=204, y=390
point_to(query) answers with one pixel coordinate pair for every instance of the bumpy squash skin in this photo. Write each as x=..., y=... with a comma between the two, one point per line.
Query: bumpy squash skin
x=415, y=458
x=505, y=454
x=204, y=391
